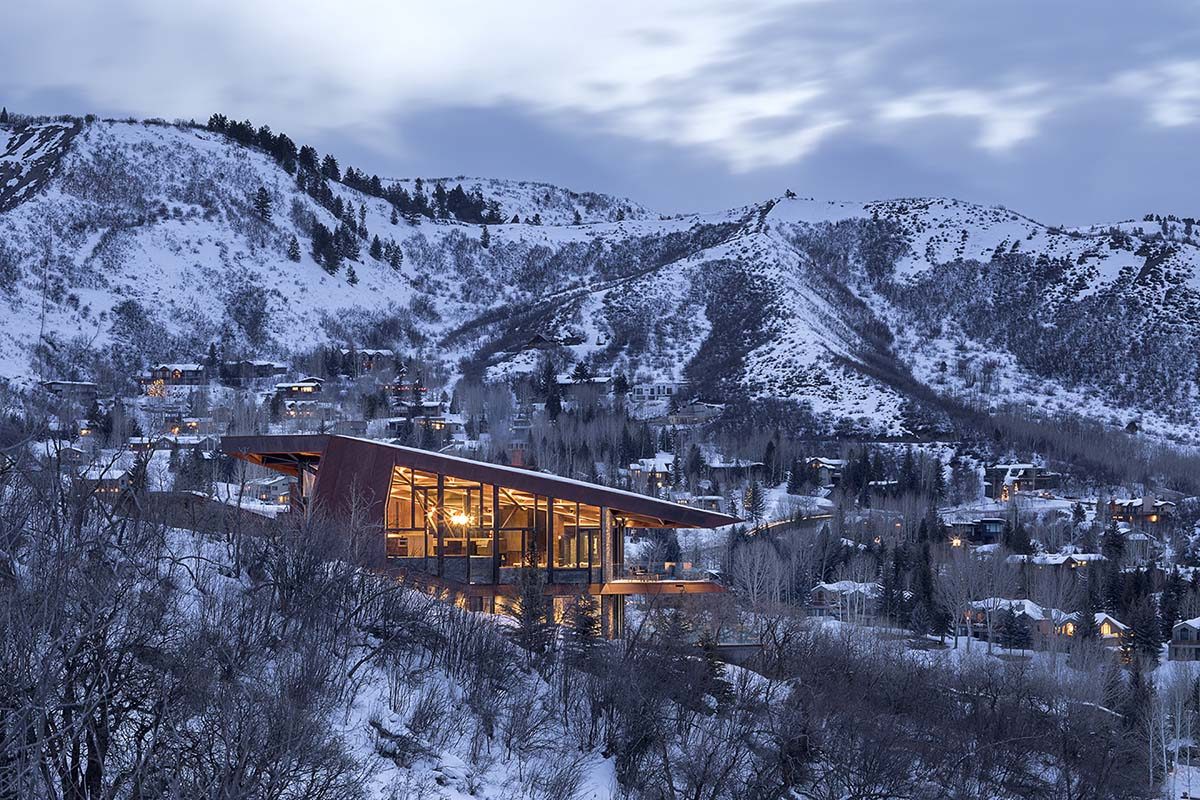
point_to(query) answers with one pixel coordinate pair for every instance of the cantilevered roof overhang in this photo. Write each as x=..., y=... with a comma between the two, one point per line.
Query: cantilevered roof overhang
x=355, y=467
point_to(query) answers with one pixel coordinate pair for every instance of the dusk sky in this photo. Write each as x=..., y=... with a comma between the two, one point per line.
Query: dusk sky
x=1070, y=112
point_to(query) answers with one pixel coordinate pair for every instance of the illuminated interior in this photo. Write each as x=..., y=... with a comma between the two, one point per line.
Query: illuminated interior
x=480, y=520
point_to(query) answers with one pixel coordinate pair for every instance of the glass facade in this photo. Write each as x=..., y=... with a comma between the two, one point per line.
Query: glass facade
x=466, y=530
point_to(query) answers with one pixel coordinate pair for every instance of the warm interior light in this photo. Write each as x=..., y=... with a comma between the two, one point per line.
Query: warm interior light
x=459, y=518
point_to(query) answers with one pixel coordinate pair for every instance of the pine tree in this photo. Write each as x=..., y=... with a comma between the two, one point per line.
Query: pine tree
x=485, y=237
x=1142, y=641
x=620, y=385
x=531, y=610
x=376, y=249
x=329, y=168
x=351, y=275
x=293, y=252
x=262, y=204
x=756, y=501
x=1014, y=632
x=3, y=115
x=395, y=218
x=582, y=633
x=578, y=219
x=795, y=479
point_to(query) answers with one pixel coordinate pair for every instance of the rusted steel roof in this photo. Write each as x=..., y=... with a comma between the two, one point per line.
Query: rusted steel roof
x=354, y=467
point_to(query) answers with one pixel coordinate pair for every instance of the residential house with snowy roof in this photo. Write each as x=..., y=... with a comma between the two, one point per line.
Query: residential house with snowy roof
x=1185, y=641
x=1002, y=481
x=1144, y=513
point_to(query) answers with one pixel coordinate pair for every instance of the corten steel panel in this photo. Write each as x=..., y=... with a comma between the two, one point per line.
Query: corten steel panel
x=350, y=464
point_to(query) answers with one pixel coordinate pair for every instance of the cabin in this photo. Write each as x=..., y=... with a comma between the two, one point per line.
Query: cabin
x=177, y=375
x=304, y=389
x=1110, y=629
x=468, y=529
x=106, y=480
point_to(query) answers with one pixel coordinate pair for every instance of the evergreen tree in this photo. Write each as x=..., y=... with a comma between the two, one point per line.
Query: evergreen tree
x=620, y=386
x=1014, y=630
x=395, y=218
x=351, y=275
x=578, y=220
x=3, y=115
x=532, y=611
x=293, y=251
x=485, y=237
x=755, y=502
x=582, y=634
x=1142, y=642
x=262, y=204
x=376, y=249
x=329, y=168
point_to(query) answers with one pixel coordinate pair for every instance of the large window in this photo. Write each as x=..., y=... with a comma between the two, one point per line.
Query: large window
x=576, y=535
x=409, y=507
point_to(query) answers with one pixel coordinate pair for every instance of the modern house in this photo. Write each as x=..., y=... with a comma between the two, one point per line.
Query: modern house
x=657, y=390
x=470, y=527
x=1141, y=512
x=82, y=393
x=245, y=371
x=1002, y=481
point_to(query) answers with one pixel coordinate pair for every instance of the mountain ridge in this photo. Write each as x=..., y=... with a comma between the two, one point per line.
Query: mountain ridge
x=140, y=241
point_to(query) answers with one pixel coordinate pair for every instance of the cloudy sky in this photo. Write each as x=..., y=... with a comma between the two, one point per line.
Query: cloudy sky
x=1071, y=112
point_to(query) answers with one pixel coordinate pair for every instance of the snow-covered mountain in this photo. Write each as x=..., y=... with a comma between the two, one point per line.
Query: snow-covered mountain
x=124, y=242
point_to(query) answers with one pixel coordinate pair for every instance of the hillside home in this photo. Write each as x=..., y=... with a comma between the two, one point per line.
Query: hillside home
x=694, y=413
x=657, y=390
x=107, y=480
x=467, y=527
x=1142, y=512
x=845, y=600
x=177, y=375
x=244, y=372
x=1139, y=546
x=1056, y=561
x=1042, y=622
x=1110, y=629
x=275, y=490
x=81, y=393
x=963, y=530
x=826, y=471
x=369, y=360
x=1002, y=481
x=733, y=470
x=653, y=473
x=304, y=389
x=1185, y=641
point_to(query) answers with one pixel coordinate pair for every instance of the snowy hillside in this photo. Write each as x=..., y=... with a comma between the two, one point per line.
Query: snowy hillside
x=123, y=243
